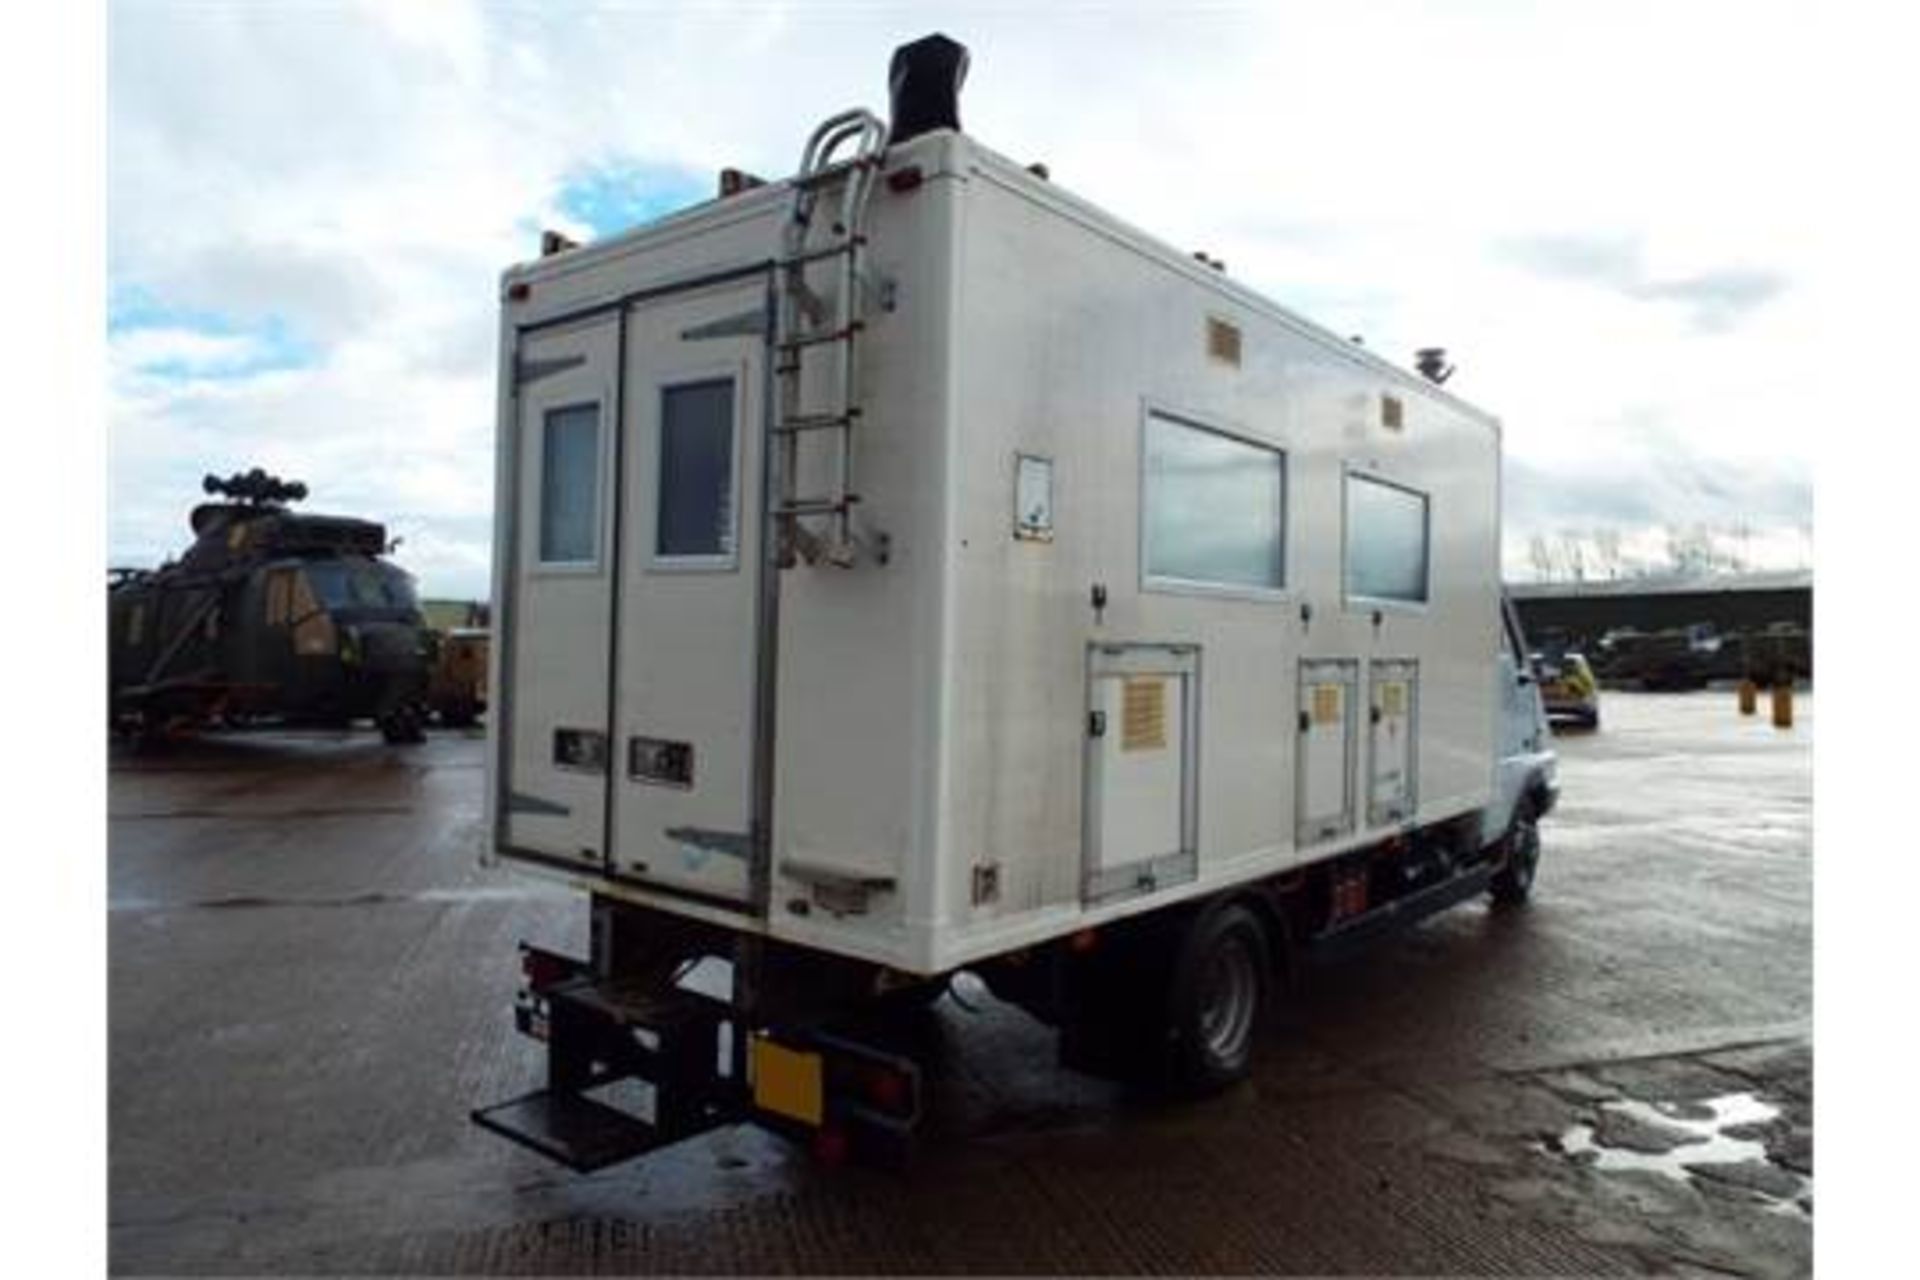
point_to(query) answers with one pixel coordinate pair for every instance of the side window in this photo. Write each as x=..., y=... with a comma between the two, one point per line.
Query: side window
x=570, y=485
x=1215, y=508
x=279, y=597
x=1386, y=539
x=696, y=520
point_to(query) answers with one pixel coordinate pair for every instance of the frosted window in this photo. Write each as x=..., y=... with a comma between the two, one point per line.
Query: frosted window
x=1386, y=541
x=570, y=484
x=696, y=470
x=1215, y=508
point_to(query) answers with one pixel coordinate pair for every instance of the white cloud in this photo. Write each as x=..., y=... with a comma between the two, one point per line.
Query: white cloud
x=361, y=174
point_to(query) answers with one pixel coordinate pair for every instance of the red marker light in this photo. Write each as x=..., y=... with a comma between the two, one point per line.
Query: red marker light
x=887, y=1090
x=830, y=1147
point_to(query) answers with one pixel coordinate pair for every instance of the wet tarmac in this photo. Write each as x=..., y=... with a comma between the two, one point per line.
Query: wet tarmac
x=311, y=979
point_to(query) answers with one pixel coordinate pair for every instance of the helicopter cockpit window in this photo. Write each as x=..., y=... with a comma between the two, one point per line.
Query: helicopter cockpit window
x=359, y=584
x=279, y=597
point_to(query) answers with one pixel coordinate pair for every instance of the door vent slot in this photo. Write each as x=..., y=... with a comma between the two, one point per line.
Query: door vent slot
x=660, y=761
x=584, y=750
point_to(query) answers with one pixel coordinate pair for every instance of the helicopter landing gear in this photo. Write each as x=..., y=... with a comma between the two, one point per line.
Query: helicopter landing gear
x=402, y=721
x=403, y=726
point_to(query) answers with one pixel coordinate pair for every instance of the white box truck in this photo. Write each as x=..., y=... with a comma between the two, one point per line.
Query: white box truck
x=908, y=568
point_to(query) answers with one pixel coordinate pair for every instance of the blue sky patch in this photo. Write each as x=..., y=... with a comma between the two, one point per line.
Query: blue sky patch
x=232, y=348
x=615, y=195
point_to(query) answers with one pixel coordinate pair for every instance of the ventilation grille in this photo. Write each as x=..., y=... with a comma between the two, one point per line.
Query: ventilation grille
x=1223, y=341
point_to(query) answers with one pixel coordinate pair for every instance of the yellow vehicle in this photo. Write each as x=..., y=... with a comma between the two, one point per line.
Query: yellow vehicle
x=1568, y=689
x=457, y=684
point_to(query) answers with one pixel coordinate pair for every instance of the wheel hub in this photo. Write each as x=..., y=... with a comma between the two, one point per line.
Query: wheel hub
x=1232, y=990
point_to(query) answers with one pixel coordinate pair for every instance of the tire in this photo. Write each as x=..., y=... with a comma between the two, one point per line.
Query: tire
x=1218, y=1001
x=1513, y=883
x=402, y=727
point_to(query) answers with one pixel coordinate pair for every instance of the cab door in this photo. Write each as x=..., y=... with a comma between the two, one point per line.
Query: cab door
x=554, y=621
x=686, y=688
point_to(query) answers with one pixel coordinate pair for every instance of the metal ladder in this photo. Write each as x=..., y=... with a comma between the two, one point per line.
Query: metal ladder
x=806, y=322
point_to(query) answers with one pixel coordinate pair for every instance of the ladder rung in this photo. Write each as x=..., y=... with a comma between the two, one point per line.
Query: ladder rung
x=820, y=177
x=815, y=422
x=815, y=506
x=830, y=251
x=815, y=339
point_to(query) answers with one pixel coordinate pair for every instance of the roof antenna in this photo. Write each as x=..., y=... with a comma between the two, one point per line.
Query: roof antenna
x=1432, y=364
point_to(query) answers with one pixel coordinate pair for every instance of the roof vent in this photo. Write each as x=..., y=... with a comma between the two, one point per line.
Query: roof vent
x=1432, y=364
x=925, y=78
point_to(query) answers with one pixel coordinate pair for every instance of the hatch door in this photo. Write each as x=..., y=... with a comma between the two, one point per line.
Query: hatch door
x=1324, y=792
x=1393, y=693
x=1142, y=777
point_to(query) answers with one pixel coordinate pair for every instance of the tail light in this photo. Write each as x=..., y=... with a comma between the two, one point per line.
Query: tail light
x=542, y=969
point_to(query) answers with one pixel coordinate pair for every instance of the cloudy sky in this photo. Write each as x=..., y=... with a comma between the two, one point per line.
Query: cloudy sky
x=309, y=206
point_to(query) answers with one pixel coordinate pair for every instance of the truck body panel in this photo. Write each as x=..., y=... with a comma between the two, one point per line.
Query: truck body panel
x=1024, y=721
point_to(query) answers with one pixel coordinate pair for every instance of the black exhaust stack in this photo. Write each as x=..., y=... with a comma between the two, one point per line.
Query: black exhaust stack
x=925, y=79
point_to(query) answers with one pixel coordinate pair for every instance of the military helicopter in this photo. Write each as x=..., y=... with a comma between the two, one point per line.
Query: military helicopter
x=268, y=613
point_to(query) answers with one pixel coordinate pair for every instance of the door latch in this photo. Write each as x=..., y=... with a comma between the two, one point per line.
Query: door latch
x=1096, y=724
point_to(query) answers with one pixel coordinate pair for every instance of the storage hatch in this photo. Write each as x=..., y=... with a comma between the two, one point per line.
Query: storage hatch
x=1324, y=787
x=1393, y=693
x=1142, y=777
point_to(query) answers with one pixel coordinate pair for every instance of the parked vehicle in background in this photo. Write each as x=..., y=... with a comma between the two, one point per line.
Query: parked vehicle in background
x=1568, y=688
x=1672, y=659
x=457, y=683
x=270, y=613
x=1782, y=652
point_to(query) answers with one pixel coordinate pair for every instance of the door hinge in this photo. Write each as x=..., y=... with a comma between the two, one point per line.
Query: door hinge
x=1096, y=724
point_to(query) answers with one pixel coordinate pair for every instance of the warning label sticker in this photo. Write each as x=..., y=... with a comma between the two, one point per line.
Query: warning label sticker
x=1393, y=699
x=1143, y=717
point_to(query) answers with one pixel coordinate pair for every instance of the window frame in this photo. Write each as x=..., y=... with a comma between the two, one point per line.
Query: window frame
x=1349, y=472
x=735, y=376
x=592, y=564
x=1165, y=584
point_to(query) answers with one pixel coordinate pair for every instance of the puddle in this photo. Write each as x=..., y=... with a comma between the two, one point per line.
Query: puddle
x=1697, y=1132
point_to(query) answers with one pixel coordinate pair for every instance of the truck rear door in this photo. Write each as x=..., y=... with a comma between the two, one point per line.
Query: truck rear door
x=554, y=652
x=686, y=599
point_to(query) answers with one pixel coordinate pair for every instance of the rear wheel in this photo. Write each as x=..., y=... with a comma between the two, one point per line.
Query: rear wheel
x=1218, y=999
x=1513, y=883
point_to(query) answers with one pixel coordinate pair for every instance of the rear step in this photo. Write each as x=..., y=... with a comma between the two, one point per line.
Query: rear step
x=800, y=1081
x=580, y=1133
x=599, y=1033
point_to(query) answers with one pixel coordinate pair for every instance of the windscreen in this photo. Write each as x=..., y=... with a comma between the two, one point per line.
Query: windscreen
x=360, y=584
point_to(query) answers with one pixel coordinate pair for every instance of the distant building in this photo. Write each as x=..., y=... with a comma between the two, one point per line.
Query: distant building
x=1582, y=612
